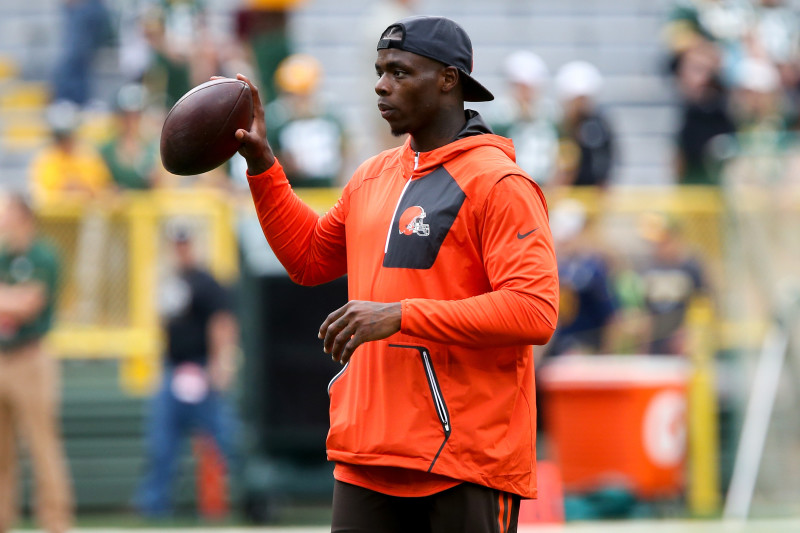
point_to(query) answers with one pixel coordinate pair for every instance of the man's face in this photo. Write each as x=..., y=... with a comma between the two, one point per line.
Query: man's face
x=184, y=253
x=524, y=92
x=408, y=88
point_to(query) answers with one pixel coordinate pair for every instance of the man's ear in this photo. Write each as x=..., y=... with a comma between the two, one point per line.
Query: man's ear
x=449, y=79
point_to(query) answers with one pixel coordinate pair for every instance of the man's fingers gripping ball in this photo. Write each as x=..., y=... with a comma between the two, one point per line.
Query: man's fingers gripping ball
x=253, y=139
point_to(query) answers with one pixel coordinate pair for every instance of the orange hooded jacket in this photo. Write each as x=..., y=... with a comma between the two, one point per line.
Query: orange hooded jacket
x=460, y=236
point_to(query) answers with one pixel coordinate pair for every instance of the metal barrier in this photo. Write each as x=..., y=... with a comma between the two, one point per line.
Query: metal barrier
x=112, y=255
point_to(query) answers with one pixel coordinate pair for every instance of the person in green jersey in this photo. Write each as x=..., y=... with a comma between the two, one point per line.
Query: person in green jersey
x=131, y=153
x=29, y=380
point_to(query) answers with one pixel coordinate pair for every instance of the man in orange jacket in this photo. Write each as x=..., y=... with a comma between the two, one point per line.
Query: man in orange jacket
x=452, y=278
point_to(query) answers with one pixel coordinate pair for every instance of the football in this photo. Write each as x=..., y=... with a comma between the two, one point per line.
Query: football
x=198, y=134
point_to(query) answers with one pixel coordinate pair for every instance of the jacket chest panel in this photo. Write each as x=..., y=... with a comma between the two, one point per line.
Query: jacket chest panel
x=425, y=212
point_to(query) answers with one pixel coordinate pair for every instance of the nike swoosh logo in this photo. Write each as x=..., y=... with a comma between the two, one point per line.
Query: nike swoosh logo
x=523, y=235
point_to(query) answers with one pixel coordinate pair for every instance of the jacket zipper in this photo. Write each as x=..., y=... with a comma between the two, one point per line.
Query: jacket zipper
x=436, y=392
x=400, y=199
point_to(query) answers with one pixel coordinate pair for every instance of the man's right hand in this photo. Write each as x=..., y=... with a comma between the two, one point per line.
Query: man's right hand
x=255, y=148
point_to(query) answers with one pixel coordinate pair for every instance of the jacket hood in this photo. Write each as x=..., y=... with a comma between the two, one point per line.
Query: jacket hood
x=475, y=133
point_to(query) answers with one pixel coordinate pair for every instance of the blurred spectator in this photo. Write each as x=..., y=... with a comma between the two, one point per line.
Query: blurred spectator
x=586, y=307
x=29, y=377
x=525, y=117
x=776, y=38
x=757, y=100
x=183, y=51
x=132, y=153
x=86, y=26
x=306, y=137
x=672, y=278
x=67, y=167
x=133, y=50
x=586, y=139
x=199, y=367
x=724, y=24
x=763, y=140
x=632, y=323
x=261, y=25
x=737, y=29
x=71, y=169
x=737, y=70
x=704, y=116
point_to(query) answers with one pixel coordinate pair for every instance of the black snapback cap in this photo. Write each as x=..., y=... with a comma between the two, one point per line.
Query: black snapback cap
x=440, y=39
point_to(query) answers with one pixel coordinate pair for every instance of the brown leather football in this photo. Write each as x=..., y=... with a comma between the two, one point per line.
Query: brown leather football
x=198, y=134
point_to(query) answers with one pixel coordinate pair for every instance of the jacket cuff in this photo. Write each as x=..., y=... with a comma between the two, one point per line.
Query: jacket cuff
x=405, y=315
x=275, y=170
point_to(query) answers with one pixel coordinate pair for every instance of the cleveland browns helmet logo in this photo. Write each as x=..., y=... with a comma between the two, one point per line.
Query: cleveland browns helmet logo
x=411, y=222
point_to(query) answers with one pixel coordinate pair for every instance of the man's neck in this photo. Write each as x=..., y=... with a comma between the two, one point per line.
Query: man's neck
x=441, y=132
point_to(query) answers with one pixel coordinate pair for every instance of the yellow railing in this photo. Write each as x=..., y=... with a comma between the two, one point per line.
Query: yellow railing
x=132, y=224
x=138, y=220
x=703, y=496
x=132, y=227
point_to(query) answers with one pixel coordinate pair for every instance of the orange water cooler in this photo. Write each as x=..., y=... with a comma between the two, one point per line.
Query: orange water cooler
x=617, y=421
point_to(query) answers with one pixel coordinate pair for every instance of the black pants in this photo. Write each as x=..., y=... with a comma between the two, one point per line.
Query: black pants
x=465, y=508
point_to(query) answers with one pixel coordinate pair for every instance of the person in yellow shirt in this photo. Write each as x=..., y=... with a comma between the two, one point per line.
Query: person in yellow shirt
x=67, y=167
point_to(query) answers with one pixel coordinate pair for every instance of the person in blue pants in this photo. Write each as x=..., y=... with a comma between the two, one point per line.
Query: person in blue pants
x=202, y=334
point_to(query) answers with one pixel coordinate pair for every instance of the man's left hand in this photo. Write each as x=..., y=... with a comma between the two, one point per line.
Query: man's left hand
x=358, y=322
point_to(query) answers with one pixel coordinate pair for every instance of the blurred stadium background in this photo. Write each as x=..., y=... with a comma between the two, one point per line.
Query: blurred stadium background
x=108, y=335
